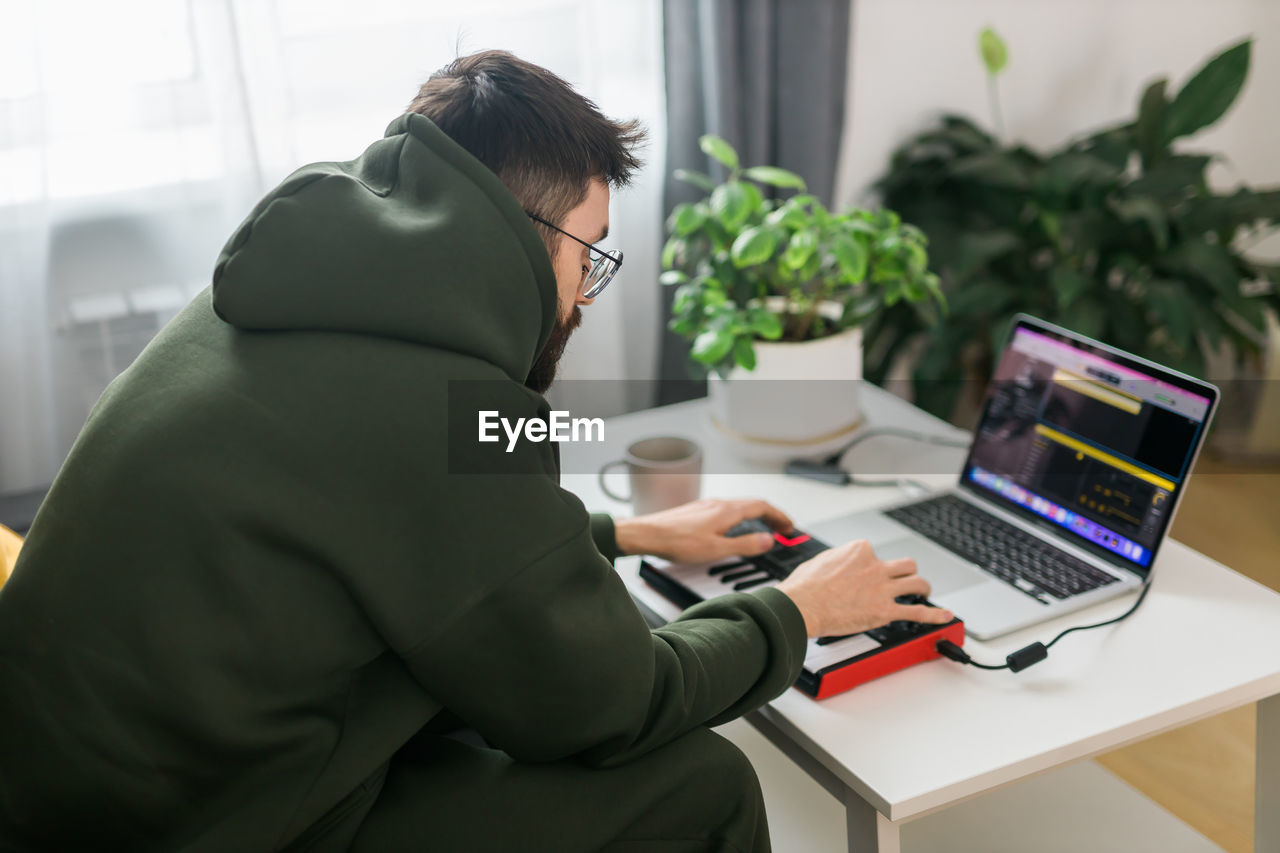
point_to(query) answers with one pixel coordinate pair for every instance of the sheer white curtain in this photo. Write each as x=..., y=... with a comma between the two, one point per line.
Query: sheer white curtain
x=134, y=136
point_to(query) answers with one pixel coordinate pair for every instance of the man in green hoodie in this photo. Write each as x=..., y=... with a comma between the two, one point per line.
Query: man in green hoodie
x=277, y=568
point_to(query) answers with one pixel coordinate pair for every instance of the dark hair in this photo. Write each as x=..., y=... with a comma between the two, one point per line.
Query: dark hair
x=540, y=137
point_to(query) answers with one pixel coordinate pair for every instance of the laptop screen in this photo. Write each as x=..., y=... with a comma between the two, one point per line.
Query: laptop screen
x=1087, y=441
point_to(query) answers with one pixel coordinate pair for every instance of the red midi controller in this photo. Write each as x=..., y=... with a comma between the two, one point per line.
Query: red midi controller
x=831, y=664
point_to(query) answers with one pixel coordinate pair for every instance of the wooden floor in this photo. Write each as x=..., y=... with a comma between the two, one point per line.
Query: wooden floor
x=1203, y=773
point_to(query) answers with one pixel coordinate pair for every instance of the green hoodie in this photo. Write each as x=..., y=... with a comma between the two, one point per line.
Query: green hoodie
x=264, y=566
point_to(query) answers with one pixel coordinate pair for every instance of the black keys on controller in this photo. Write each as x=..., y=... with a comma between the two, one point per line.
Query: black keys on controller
x=724, y=567
x=731, y=577
x=790, y=549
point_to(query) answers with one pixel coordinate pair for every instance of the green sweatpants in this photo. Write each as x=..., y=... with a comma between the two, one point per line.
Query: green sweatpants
x=698, y=793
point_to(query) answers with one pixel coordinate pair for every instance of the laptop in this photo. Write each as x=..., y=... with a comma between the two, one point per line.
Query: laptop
x=1077, y=464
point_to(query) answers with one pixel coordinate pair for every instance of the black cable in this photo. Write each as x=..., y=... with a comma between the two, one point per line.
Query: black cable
x=1035, y=652
x=1146, y=585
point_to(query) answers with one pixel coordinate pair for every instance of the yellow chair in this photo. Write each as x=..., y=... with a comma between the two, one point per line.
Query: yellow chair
x=10, y=544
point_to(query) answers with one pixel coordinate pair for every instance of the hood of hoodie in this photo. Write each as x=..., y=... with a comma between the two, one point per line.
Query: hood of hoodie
x=415, y=240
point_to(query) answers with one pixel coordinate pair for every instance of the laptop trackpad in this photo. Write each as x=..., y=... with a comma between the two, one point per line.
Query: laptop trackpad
x=944, y=571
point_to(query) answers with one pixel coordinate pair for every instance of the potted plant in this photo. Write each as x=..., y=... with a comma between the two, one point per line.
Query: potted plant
x=778, y=289
x=1115, y=234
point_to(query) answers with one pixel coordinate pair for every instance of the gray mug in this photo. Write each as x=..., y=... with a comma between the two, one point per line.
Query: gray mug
x=663, y=472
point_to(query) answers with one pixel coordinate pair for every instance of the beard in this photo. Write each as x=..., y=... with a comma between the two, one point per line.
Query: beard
x=543, y=372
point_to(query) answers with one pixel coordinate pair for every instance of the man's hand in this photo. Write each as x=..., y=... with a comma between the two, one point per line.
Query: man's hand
x=848, y=590
x=694, y=532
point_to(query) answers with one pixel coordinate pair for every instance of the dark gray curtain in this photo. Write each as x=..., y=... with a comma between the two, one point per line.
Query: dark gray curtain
x=768, y=76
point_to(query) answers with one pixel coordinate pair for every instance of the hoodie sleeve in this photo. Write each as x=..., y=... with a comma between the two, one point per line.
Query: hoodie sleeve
x=558, y=662
x=603, y=534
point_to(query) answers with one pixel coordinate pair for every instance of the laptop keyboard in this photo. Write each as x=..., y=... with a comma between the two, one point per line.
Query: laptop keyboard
x=1010, y=553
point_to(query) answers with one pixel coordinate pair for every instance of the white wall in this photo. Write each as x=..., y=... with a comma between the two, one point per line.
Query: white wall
x=620, y=332
x=1074, y=65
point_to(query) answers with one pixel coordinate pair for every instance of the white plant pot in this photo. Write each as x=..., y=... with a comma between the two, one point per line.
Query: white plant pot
x=801, y=399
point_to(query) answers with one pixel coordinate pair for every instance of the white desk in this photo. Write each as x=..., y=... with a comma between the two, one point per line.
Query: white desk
x=934, y=735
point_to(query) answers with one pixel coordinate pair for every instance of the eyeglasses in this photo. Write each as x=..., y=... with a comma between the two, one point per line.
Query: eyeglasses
x=603, y=268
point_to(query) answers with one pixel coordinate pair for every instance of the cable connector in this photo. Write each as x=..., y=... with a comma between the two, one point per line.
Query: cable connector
x=948, y=649
x=1027, y=656
x=1015, y=662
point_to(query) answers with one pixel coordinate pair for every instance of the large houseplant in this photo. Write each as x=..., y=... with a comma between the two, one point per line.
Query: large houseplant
x=750, y=270
x=1116, y=234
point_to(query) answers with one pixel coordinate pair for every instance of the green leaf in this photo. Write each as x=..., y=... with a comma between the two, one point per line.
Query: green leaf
x=914, y=234
x=995, y=56
x=687, y=218
x=683, y=325
x=1072, y=169
x=934, y=285
x=673, y=277
x=1149, y=129
x=1126, y=322
x=1249, y=309
x=1173, y=179
x=1113, y=144
x=776, y=177
x=715, y=147
x=811, y=268
x=686, y=295
x=755, y=201
x=753, y=246
x=1052, y=225
x=1144, y=210
x=976, y=249
x=1208, y=262
x=996, y=168
x=1209, y=93
x=1085, y=317
x=851, y=256
x=1226, y=213
x=801, y=246
x=1068, y=285
x=1176, y=310
x=1191, y=363
x=963, y=138
x=731, y=204
x=982, y=297
x=766, y=324
x=721, y=315
x=744, y=353
x=917, y=259
x=711, y=346
x=674, y=246
x=789, y=215
x=954, y=121
x=1210, y=325
x=698, y=179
